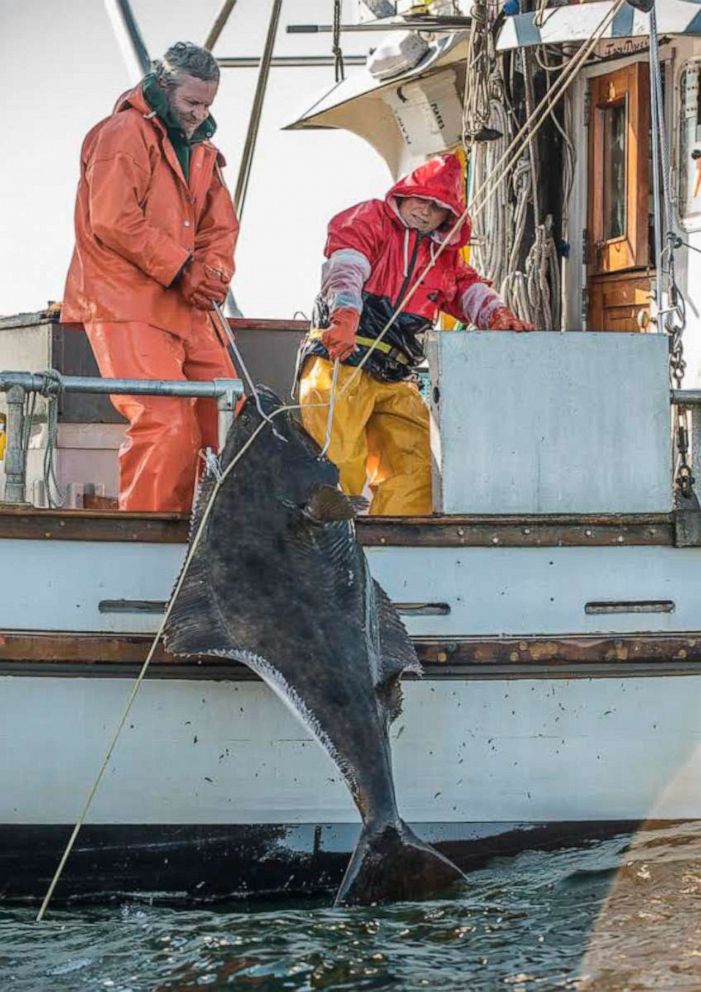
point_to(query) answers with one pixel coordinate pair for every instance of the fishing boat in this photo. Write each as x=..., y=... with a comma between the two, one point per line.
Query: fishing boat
x=553, y=594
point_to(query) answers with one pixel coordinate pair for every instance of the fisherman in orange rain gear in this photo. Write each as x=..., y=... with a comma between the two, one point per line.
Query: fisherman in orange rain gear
x=155, y=234
x=375, y=252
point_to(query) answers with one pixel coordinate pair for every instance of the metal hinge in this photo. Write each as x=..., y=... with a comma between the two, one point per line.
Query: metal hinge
x=585, y=307
x=587, y=104
x=585, y=246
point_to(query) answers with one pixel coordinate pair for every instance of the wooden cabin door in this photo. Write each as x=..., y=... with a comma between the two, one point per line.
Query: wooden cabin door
x=618, y=277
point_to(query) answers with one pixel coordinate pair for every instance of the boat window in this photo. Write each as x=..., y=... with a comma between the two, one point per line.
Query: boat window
x=614, y=134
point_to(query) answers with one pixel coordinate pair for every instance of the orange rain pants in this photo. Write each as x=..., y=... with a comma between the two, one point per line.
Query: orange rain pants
x=159, y=460
x=380, y=435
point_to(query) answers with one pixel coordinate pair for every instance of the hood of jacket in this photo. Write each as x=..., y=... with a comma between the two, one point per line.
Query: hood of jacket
x=440, y=179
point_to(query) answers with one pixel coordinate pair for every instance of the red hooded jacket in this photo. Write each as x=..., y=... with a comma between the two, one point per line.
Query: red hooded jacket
x=374, y=258
x=137, y=221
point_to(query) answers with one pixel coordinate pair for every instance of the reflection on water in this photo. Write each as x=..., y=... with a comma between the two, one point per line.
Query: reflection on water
x=648, y=932
x=602, y=917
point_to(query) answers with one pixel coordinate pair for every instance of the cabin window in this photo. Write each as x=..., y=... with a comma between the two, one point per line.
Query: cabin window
x=614, y=167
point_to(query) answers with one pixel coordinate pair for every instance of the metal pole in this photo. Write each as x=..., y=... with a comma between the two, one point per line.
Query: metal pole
x=256, y=110
x=685, y=397
x=129, y=38
x=662, y=130
x=219, y=24
x=37, y=383
x=656, y=185
x=226, y=408
x=435, y=23
x=15, y=467
x=286, y=61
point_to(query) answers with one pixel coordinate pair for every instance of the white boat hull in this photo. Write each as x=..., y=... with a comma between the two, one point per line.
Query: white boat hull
x=215, y=789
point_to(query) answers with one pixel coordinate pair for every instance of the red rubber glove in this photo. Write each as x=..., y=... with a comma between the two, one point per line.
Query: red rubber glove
x=339, y=336
x=200, y=284
x=502, y=319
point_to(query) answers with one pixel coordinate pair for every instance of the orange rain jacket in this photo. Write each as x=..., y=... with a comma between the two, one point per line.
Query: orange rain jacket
x=138, y=220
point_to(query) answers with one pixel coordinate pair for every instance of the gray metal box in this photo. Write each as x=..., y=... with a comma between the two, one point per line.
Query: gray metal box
x=550, y=423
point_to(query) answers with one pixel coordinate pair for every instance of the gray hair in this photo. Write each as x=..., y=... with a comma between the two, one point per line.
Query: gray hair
x=186, y=59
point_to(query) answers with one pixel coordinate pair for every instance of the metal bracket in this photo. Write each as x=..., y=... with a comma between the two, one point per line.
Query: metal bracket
x=15, y=465
x=687, y=528
x=226, y=406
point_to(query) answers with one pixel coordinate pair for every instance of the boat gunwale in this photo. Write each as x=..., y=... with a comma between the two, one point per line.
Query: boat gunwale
x=505, y=530
x=476, y=657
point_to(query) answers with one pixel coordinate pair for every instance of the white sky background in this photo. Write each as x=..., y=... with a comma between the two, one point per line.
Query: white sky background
x=61, y=71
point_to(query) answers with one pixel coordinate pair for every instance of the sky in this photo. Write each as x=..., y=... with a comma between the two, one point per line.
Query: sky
x=61, y=71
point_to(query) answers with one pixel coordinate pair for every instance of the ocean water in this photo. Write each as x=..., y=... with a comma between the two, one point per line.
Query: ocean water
x=616, y=915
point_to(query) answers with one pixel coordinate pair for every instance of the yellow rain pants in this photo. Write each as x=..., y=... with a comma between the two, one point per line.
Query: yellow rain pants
x=380, y=435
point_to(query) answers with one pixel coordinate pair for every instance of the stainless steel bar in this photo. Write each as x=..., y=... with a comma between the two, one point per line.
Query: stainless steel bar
x=35, y=382
x=129, y=38
x=226, y=408
x=286, y=61
x=686, y=397
x=249, y=145
x=15, y=465
x=435, y=23
x=219, y=24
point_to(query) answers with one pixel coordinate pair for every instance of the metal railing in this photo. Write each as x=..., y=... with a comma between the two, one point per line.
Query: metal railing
x=226, y=392
x=17, y=386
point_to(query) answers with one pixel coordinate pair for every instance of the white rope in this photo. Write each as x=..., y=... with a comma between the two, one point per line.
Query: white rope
x=266, y=422
x=530, y=128
x=332, y=406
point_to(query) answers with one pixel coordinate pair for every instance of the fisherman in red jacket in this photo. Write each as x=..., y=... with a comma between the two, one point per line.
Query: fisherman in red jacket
x=375, y=252
x=155, y=234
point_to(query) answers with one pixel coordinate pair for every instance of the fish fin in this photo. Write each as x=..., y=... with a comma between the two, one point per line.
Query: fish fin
x=397, y=653
x=194, y=626
x=328, y=505
x=391, y=864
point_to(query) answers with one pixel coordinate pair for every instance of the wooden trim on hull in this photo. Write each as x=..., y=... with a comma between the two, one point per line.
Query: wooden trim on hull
x=553, y=530
x=564, y=656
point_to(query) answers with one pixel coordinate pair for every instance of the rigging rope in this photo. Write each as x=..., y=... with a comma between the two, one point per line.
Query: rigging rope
x=338, y=64
x=487, y=191
x=53, y=387
x=520, y=141
x=220, y=478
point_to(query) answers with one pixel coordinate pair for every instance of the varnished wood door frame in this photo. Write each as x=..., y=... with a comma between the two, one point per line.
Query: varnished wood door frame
x=630, y=251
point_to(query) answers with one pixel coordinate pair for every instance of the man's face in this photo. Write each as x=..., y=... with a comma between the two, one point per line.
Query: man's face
x=422, y=215
x=190, y=101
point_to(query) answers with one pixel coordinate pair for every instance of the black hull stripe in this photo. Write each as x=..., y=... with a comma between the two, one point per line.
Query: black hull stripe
x=192, y=864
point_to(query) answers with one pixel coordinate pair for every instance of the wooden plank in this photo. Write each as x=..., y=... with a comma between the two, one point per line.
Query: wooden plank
x=518, y=531
x=431, y=532
x=542, y=651
x=20, y=523
x=590, y=649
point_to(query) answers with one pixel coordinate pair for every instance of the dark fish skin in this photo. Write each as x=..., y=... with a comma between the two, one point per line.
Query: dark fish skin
x=280, y=583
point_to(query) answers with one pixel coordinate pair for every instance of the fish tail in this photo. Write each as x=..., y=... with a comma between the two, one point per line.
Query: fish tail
x=391, y=864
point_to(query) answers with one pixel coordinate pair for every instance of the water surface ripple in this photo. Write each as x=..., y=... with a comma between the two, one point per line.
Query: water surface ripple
x=605, y=916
